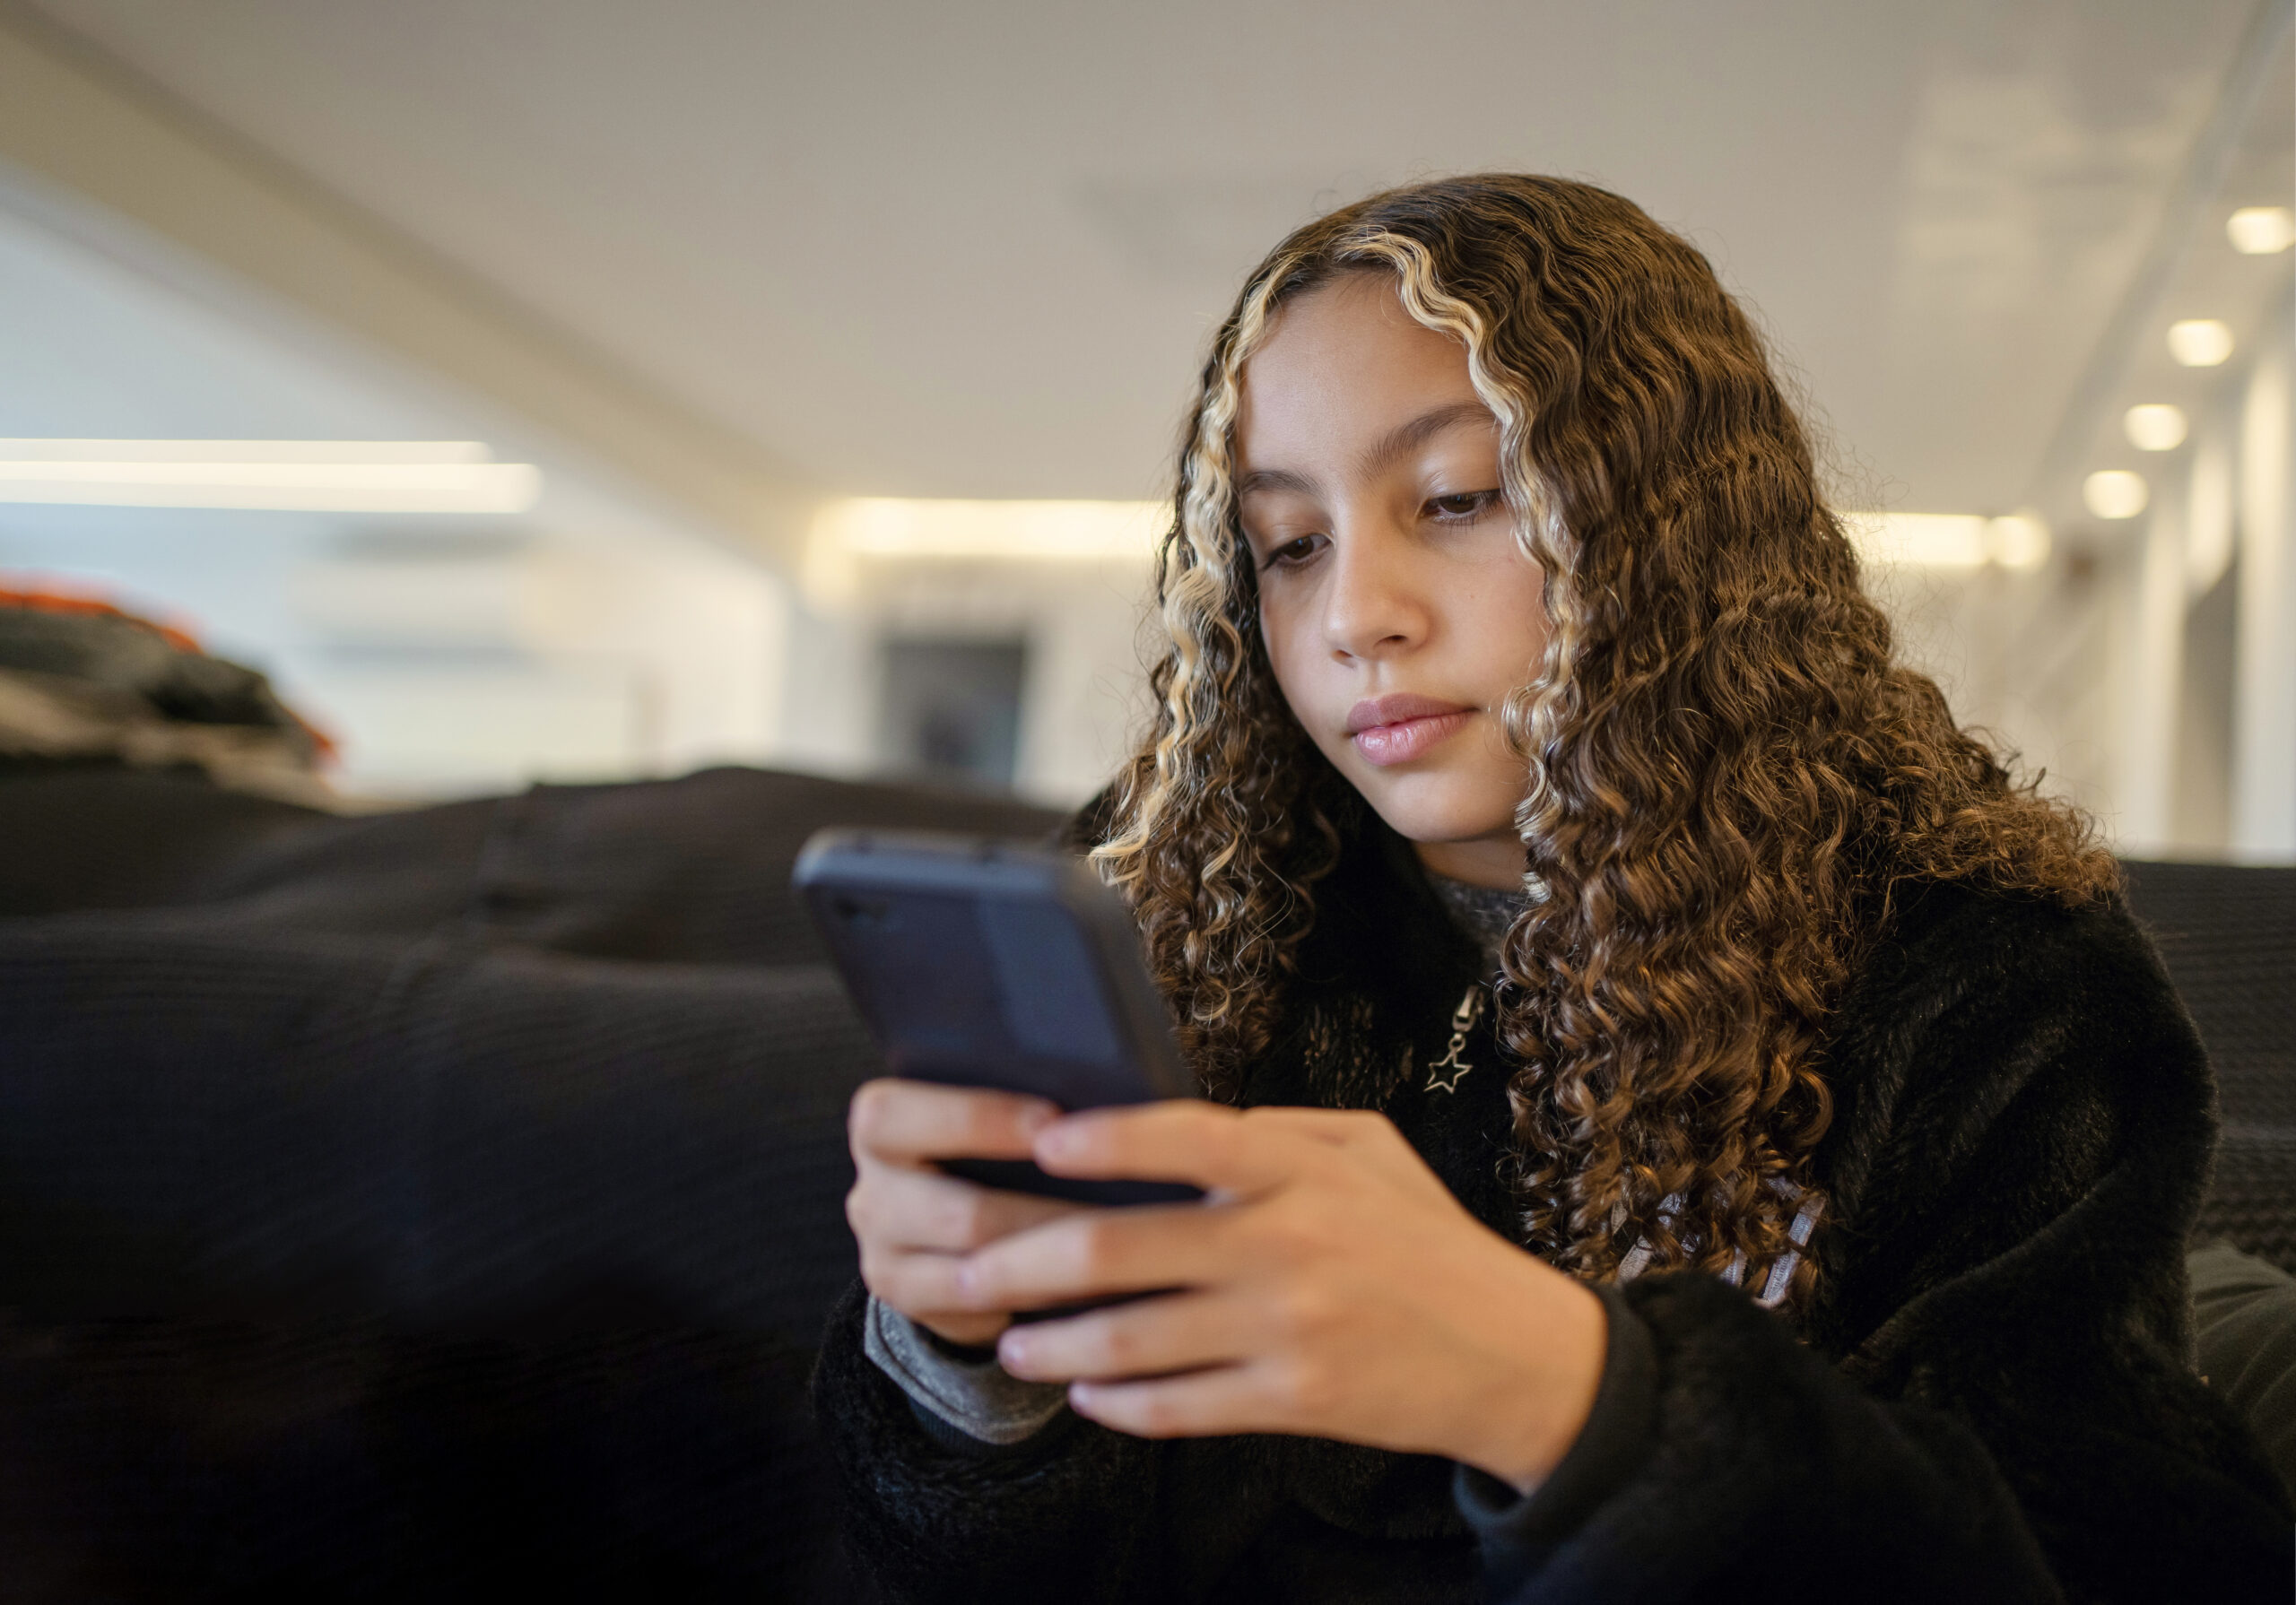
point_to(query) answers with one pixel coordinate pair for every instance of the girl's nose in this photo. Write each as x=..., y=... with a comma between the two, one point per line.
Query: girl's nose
x=1374, y=608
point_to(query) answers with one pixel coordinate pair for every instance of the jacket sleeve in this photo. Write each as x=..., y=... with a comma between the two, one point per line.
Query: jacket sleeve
x=1990, y=1397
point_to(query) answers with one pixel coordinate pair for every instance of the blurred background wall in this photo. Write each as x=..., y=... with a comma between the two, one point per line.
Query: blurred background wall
x=557, y=389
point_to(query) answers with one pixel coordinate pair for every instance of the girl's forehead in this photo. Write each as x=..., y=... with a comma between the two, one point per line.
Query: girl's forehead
x=1355, y=312
x=1343, y=359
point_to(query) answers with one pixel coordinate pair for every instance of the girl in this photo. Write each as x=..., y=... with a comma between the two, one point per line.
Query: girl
x=1680, y=1120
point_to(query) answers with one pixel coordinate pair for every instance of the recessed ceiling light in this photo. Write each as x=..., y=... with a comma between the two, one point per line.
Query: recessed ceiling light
x=2155, y=425
x=2261, y=230
x=2114, y=493
x=2199, y=342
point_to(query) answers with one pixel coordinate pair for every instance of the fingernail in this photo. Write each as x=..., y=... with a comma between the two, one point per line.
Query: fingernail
x=1035, y=1117
x=1058, y=1141
x=1011, y=1350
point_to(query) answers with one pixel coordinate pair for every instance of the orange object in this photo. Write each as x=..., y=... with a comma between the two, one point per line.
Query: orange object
x=56, y=601
x=61, y=601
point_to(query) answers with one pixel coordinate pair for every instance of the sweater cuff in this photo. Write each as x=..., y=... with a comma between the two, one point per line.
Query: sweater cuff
x=1520, y=1534
x=959, y=1401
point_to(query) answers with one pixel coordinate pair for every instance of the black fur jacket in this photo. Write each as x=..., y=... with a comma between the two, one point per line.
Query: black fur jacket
x=1990, y=1397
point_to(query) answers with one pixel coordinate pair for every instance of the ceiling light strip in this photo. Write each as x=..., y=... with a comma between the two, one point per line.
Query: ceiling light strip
x=892, y=529
x=244, y=451
x=310, y=487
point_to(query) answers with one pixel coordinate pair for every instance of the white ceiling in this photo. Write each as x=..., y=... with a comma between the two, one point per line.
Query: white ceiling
x=974, y=251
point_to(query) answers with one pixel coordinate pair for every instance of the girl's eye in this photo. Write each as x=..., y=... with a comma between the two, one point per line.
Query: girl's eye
x=1296, y=550
x=1463, y=507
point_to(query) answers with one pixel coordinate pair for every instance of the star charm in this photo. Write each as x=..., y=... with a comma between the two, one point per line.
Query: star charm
x=1458, y=1075
x=1463, y=1018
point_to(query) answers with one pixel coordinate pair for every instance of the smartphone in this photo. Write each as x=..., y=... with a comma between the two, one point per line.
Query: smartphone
x=979, y=962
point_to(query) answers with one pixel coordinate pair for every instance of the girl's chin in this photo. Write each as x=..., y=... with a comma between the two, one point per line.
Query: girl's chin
x=1442, y=813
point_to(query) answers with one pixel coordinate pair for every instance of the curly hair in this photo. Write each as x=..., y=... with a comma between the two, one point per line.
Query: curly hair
x=1725, y=773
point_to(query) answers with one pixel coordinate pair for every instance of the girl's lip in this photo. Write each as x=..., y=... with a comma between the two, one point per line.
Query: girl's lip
x=1398, y=708
x=1399, y=740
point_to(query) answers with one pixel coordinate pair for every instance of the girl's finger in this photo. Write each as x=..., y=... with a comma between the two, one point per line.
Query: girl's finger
x=1148, y=1337
x=1219, y=1400
x=1178, y=1139
x=1099, y=1254
x=904, y=1208
x=913, y=1123
x=917, y=1282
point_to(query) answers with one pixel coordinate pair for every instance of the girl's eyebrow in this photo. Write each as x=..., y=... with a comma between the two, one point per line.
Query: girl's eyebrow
x=1400, y=441
x=1407, y=437
x=1276, y=479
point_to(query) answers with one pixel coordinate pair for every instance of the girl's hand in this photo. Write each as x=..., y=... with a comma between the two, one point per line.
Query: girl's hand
x=914, y=1223
x=1330, y=1286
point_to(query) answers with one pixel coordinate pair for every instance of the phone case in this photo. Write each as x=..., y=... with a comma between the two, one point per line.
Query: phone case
x=987, y=963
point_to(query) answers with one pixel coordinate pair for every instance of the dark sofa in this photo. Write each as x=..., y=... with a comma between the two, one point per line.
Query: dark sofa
x=437, y=1203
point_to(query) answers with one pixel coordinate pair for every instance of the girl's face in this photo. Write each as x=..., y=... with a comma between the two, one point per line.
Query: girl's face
x=1397, y=609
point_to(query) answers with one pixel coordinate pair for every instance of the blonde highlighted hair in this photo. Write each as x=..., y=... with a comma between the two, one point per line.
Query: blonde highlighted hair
x=1726, y=774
